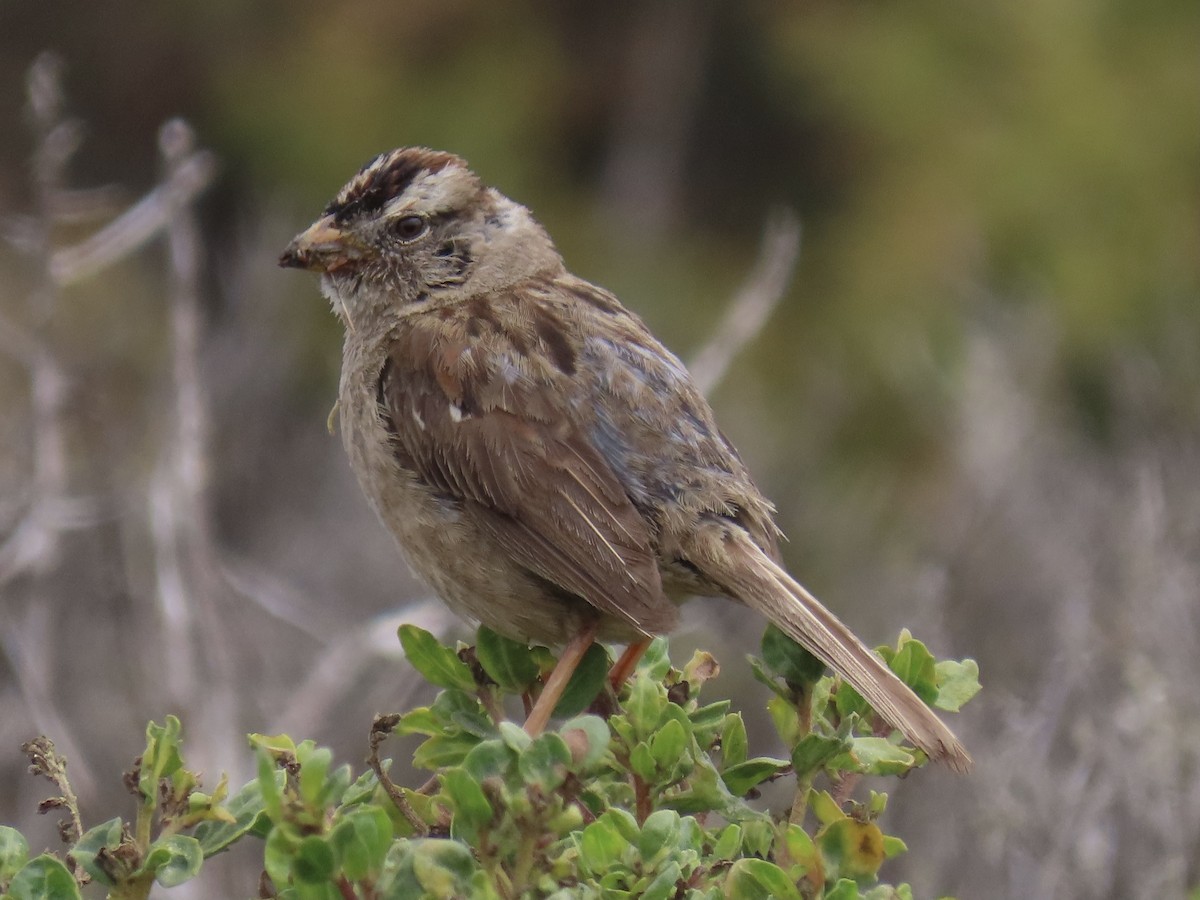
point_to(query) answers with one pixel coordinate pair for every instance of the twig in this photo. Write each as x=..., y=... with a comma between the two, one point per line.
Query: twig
x=754, y=302
x=186, y=555
x=144, y=220
x=381, y=729
x=33, y=545
x=44, y=760
x=177, y=514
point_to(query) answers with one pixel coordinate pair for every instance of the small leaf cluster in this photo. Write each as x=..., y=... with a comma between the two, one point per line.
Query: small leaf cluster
x=125, y=857
x=647, y=792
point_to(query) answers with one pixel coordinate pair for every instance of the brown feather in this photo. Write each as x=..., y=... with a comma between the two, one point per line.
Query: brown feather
x=728, y=556
x=550, y=467
x=508, y=449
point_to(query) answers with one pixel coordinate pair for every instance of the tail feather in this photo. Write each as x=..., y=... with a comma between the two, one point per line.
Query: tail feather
x=764, y=585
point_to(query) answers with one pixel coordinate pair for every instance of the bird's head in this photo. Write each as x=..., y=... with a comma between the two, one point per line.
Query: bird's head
x=416, y=225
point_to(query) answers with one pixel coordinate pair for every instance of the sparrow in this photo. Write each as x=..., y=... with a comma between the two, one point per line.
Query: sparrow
x=544, y=462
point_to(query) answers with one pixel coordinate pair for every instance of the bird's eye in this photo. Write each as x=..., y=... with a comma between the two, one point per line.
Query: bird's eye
x=409, y=228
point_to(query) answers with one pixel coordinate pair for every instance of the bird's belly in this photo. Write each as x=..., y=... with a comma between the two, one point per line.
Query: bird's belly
x=478, y=580
x=463, y=565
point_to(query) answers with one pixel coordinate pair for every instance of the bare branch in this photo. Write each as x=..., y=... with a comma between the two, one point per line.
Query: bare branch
x=753, y=304
x=33, y=544
x=137, y=225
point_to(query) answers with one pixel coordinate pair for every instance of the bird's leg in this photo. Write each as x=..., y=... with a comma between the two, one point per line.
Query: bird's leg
x=627, y=663
x=557, y=682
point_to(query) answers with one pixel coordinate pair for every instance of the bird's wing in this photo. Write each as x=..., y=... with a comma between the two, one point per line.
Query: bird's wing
x=475, y=411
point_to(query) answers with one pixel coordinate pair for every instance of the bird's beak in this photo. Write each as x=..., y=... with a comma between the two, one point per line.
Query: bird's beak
x=322, y=247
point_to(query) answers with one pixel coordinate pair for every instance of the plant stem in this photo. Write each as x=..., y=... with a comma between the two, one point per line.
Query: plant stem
x=524, y=863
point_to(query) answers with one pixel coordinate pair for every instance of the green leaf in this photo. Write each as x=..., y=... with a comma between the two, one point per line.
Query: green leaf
x=419, y=721
x=279, y=851
x=314, y=766
x=957, y=683
x=785, y=719
x=160, y=759
x=825, y=808
x=802, y=851
x=879, y=756
x=43, y=878
x=360, y=842
x=472, y=811
x=876, y=804
x=757, y=879
x=336, y=785
x=661, y=829
x=321, y=890
x=734, y=745
x=363, y=788
x=893, y=846
x=275, y=744
x=885, y=892
x=753, y=772
x=586, y=683
x=106, y=836
x=314, y=862
x=845, y=889
x=787, y=659
x=601, y=845
x=849, y=701
x=814, y=751
x=916, y=667
x=667, y=746
x=270, y=784
x=174, y=860
x=545, y=762
x=423, y=805
x=624, y=822
x=708, y=718
x=398, y=881
x=439, y=665
x=443, y=868
x=463, y=710
x=642, y=764
x=706, y=792
x=444, y=750
x=568, y=820
x=488, y=759
x=644, y=708
x=509, y=663
x=758, y=836
x=587, y=737
x=665, y=885
x=759, y=670
x=246, y=807
x=655, y=662
x=728, y=842
x=14, y=853
x=698, y=670
x=852, y=849
x=516, y=737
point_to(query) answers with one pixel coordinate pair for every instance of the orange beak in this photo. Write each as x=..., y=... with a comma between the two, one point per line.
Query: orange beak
x=322, y=247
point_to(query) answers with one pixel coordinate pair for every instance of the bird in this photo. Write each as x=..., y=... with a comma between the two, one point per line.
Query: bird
x=546, y=465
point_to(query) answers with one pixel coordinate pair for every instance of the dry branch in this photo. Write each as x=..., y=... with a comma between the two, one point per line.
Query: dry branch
x=753, y=304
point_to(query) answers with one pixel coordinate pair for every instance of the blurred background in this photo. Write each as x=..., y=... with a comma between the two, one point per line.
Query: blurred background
x=976, y=404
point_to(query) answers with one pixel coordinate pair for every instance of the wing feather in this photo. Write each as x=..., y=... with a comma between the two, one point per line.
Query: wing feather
x=516, y=457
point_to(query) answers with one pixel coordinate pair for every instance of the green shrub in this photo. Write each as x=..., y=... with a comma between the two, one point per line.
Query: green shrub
x=646, y=795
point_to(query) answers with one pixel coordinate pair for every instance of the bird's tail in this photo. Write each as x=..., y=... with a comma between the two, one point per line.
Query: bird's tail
x=764, y=585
